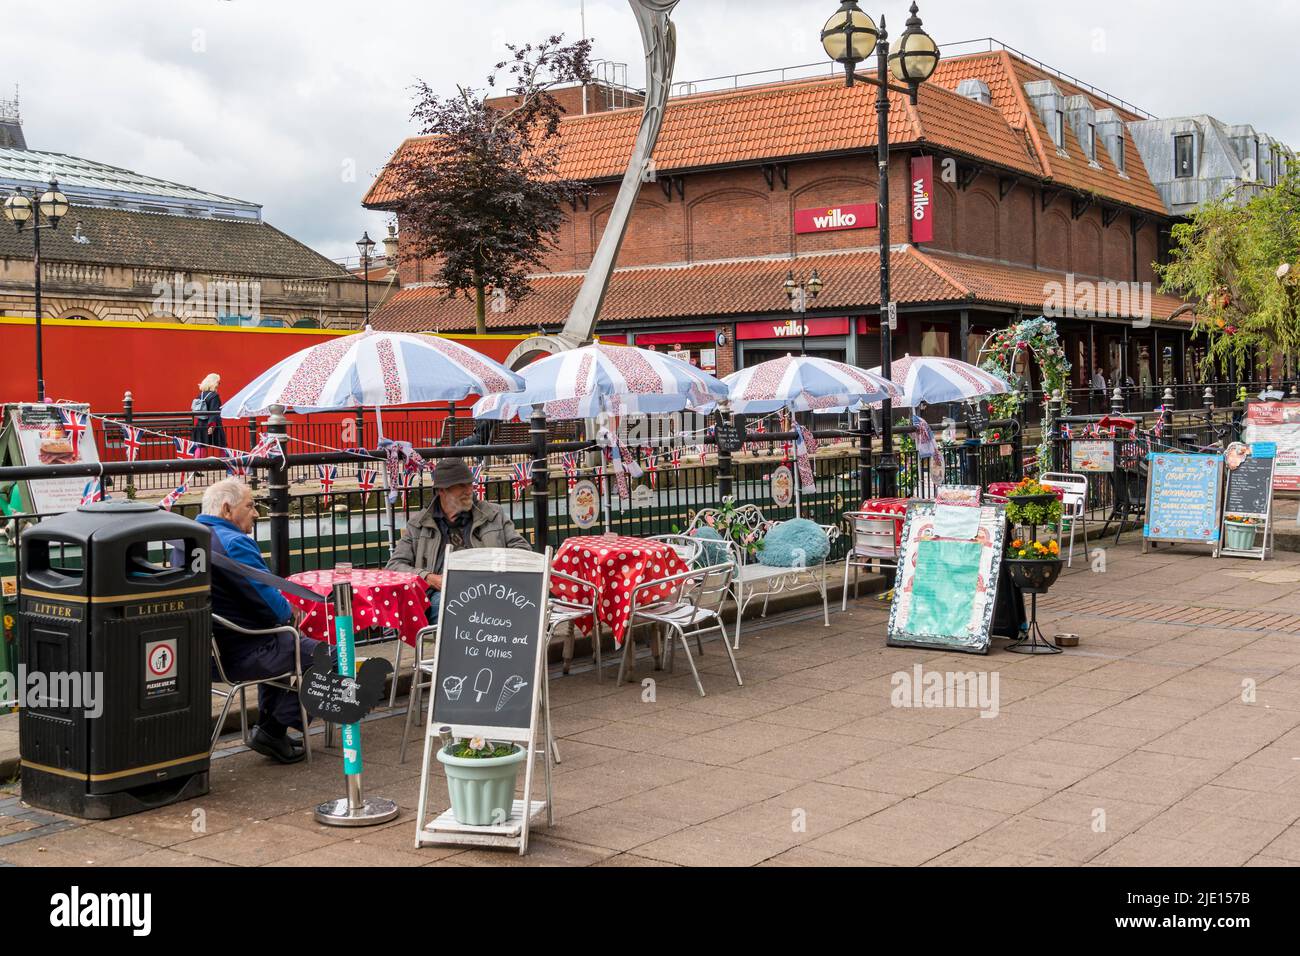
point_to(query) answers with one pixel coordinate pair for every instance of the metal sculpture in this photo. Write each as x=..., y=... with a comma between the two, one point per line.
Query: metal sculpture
x=659, y=40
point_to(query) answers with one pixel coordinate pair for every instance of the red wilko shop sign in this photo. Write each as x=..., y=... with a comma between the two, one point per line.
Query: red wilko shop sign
x=791, y=329
x=921, y=198
x=835, y=218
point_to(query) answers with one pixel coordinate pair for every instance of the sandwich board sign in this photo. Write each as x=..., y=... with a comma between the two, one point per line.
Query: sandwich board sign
x=35, y=434
x=1249, y=496
x=949, y=565
x=489, y=668
x=1184, y=493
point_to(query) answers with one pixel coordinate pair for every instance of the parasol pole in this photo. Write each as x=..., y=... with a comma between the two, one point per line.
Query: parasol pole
x=388, y=485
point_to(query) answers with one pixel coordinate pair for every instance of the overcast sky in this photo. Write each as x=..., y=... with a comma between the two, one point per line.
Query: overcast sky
x=295, y=104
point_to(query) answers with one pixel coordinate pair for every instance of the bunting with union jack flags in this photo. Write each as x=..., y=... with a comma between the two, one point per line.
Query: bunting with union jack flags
x=520, y=478
x=94, y=491
x=174, y=495
x=479, y=482
x=569, y=462
x=186, y=448
x=131, y=442
x=236, y=462
x=327, y=475
x=366, y=479
x=75, y=423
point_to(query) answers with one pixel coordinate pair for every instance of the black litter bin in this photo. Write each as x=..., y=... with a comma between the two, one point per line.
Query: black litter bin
x=115, y=594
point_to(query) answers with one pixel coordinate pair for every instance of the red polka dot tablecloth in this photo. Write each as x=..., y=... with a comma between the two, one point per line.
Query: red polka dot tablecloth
x=395, y=599
x=615, y=566
x=895, y=507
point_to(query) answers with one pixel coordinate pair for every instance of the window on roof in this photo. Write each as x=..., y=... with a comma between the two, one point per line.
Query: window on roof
x=1119, y=149
x=1058, y=130
x=1092, y=141
x=1184, y=157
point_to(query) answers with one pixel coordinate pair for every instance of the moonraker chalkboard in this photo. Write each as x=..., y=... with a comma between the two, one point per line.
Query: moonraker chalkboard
x=1250, y=488
x=1183, y=495
x=488, y=642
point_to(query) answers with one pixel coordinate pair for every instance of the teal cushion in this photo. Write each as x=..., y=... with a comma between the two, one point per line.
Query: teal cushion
x=712, y=553
x=794, y=544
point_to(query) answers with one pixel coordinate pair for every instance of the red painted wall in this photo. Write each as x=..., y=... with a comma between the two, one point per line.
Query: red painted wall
x=97, y=362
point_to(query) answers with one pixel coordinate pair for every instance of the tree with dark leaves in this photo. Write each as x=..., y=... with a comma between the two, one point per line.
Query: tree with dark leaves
x=481, y=195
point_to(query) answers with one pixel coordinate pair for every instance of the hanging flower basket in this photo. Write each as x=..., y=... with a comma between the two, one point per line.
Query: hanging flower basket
x=1033, y=575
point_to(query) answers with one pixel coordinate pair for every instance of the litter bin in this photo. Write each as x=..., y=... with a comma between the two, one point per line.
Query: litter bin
x=121, y=637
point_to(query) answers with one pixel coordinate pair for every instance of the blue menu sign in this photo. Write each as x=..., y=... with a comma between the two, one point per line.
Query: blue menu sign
x=1183, y=496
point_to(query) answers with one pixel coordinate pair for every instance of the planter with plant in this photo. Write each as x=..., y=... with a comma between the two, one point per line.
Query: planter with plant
x=481, y=777
x=1033, y=565
x=1239, y=531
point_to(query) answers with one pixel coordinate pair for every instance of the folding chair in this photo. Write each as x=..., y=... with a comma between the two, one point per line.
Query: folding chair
x=874, y=544
x=289, y=681
x=1074, y=505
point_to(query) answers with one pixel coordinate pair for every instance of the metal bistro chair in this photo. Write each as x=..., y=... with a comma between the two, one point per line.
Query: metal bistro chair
x=1074, y=505
x=874, y=545
x=290, y=681
x=568, y=610
x=1129, y=488
x=694, y=610
x=421, y=668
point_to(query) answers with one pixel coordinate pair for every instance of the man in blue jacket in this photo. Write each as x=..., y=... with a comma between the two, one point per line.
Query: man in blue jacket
x=228, y=509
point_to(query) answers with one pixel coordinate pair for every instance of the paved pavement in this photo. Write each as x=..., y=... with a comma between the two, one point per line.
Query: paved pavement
x=1169, y=737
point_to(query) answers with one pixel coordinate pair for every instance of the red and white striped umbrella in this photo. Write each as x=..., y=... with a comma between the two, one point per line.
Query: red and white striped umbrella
x=618, y=379
x=803, y=383
x=934, y=380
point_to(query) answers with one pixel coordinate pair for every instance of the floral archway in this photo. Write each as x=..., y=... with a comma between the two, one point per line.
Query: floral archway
x=1001, y=354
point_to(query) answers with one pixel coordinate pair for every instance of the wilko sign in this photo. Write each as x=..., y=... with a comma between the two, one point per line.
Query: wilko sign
x=835, y=218
x=793, y=328
x=921, y=197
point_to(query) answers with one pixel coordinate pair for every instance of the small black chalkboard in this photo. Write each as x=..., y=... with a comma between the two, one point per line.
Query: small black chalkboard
x=1250, y=487
x=488, y=641
x=342, y=700
x=730, y=435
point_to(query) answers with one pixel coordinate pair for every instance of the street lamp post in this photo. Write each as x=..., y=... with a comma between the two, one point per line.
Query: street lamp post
x=849, y=37
x=19, y=209
x=366, y=246
x=799, y=293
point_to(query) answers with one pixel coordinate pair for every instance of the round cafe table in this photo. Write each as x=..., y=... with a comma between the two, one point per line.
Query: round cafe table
x=615, y=566
x=380, y=598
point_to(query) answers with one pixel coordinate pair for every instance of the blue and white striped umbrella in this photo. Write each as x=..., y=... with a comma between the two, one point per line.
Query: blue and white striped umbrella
x=802, y=384
x=373, y=369
x=620, y=380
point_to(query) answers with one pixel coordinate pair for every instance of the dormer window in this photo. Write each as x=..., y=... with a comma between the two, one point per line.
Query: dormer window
x=1119, y=151
x=1058, y=130
x=1184, y=157
x=1092, y=141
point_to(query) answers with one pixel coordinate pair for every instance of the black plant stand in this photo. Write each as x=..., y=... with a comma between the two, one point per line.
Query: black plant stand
x=1033, y=581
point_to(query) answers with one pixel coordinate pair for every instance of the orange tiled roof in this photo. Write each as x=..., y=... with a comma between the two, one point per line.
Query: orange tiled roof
x=747, y=287
x=782, y=121
x=1006, y=76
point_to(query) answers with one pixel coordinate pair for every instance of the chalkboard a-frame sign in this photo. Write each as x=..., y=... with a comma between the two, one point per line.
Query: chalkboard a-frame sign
x=488, y=666
x=1249, y=494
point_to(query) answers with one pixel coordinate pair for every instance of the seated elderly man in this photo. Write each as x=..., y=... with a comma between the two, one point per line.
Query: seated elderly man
x=228, y=510
x=453, y=517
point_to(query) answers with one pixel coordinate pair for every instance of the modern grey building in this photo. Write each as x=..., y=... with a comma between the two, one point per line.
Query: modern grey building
x=1194, y=159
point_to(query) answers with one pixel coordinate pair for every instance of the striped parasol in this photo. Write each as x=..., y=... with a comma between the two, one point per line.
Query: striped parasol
x=933, y=380
x=802, y=383
x=373, y=369
x=620, y=380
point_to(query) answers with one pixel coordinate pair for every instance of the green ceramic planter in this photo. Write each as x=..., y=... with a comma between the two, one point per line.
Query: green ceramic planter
x=1238, y=536
x=482, y=789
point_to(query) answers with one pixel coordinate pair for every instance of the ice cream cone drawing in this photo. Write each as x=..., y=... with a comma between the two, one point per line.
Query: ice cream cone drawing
x=452, y=686
x=482, y=683
x=513, y=685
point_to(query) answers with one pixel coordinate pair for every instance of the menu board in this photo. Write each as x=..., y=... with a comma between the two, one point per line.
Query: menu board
x=729, y=435
x=1183, y=495
x=1279, y=423
x=36, y=435
x=946, y=588
x=491, y=630
x=1095, y=456
x=1250, y=488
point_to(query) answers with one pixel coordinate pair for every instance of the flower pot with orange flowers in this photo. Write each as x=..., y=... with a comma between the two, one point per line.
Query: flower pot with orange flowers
x=1033, y=565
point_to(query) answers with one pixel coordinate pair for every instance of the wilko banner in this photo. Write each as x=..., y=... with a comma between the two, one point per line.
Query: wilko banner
x=834, y=218
x=1278, y=422
x=921, y=198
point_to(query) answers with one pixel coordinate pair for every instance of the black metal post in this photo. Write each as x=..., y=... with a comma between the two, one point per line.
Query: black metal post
x=365, y=279
x=278, y=484
x=252, y=443
x=888, y=467
x=40, y=356
x=541, y=481
x=1117, y=401
x=128, y=416
x=864, y=453
x=724, y=459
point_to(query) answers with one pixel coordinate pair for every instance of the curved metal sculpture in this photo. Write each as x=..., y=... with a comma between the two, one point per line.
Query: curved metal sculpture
x=659, y=40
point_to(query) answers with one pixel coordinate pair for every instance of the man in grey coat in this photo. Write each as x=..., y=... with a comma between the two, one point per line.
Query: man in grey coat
x=455, y=518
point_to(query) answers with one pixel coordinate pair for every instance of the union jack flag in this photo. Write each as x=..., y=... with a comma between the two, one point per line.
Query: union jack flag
x=186, y=448
x=366, y=479
x=75, y=423
x=1160, y=421
x=327, y=474
x=131, y=442
x=94, y=491
x=520, y=478
x=409, y=480
x=268, y=446
x=1065, y=430
x=676, y=456
x=570, y=465
x=479, y=482
x=651, y=469
x=174, y=495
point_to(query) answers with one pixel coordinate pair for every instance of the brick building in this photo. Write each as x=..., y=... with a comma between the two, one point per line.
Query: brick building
x=1036, y=200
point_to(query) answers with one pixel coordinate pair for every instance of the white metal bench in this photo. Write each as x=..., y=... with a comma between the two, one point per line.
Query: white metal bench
x=753, y=580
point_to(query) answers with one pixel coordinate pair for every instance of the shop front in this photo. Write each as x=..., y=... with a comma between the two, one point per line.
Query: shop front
x=697, y=346
x=829, y=338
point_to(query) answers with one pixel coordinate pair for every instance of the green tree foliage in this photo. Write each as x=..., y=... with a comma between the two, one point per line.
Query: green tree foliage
x=481, y=196
x=1227, y=260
